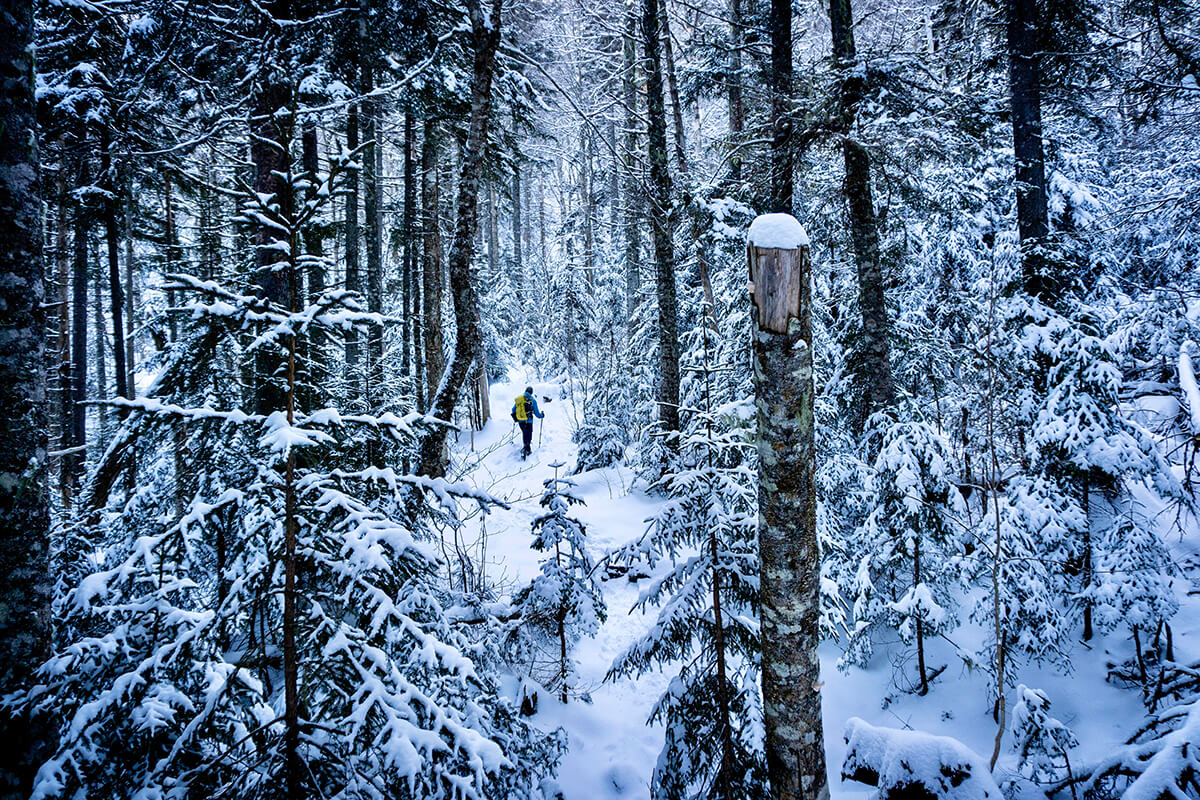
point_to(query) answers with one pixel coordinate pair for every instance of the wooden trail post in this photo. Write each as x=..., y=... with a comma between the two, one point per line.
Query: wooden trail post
x=780, y=278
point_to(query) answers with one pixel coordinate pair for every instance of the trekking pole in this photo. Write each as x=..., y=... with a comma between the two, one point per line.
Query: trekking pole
x=541, y=424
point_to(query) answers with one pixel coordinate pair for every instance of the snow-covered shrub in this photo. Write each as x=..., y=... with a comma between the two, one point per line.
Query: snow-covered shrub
x=913, y=764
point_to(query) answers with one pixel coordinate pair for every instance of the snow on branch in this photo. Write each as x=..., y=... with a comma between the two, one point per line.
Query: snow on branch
x=1187, y=382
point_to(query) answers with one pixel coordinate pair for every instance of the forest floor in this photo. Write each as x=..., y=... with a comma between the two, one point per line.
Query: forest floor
x=611, y=749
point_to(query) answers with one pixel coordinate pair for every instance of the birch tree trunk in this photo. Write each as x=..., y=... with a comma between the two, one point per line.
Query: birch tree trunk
x=787, y=534
x=485, y=38
x=25, y=581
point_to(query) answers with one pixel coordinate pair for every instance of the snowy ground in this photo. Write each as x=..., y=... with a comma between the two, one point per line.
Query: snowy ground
x=612, y=751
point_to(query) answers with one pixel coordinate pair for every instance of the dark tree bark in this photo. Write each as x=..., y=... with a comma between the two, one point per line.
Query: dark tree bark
x=787, y=529
x=170, y=249
x=79, y=329
x=350, y=230
x=673, y=88
x=631, y=170
x=737, y=106
x=782, y=154
x=518, y=260
x=311, y=349
x=269, y=151
x=100, y=361
x=485, y=38
x=25, y=580
x=1024, y=76
x=372, y=207
x=662, y=224
x=493, y=233
x=112, y=233
x=879, y=388
x=411, y=252
x=131, y=316
x=431, y=263
x=63, y=406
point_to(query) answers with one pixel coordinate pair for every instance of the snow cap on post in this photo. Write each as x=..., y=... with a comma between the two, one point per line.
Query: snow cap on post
x=777, y=248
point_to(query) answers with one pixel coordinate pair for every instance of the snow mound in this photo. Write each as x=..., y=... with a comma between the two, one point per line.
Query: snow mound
x=781, y=231
x=912, y=765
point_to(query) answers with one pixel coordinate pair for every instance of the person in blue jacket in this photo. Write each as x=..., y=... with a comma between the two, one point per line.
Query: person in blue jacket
x=524, y=409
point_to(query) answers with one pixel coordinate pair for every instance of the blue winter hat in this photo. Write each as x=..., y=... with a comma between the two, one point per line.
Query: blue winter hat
x=528, y=390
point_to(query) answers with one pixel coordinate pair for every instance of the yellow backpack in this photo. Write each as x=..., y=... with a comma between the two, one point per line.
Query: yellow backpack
x=522, y=408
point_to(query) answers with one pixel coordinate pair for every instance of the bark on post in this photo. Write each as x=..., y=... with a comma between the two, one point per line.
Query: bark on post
x=783, y=384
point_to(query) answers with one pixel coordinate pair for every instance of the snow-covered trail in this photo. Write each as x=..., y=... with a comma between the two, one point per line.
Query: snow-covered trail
x=611, y=751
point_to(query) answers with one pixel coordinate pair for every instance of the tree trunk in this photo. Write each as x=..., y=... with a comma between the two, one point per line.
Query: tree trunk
x=661, y=222
x=131, y=317
x=269, y=152
x=64, y=407
x=112, y=233
x=664, y=14
x=311, y=349
x=373, y=219
x=588, y=207
x=782, y=157
x=353, y=278
x=485, y=38
x=737, y=108
x=431, y=263
x=631, y=171
x=864, y=228
x=79, y=328
x=100, y=363
x=411, y=250
x=25, y=580
x=787, y=533
x=1024, y=76
x=518, y=261
x=170, y=250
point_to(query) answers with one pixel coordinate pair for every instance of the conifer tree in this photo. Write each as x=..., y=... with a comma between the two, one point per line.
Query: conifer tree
x=565, y=601
x=705, y=542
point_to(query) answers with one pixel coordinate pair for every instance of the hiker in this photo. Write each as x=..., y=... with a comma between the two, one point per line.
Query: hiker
x=524, y=409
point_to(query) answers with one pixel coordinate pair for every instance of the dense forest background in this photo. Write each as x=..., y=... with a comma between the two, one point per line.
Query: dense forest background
x=258, y=253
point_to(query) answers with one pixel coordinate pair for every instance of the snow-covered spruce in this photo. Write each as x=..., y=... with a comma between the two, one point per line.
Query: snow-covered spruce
x=910, y=547
x=562, y=603
x=266, y=597
x=705, y=543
